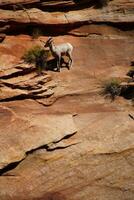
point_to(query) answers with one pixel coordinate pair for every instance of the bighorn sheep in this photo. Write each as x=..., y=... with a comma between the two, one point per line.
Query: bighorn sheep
x=60, y=50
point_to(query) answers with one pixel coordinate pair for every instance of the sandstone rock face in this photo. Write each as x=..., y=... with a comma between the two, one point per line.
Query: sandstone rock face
x=23, y=82
x=60, y=139
x=115, y=12
x=48, y=3
x=20, y=135
x=80, y=147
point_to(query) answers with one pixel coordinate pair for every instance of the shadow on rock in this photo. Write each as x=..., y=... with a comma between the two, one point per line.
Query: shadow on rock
x=52, y=64
x=128, y=92
x=52, y=196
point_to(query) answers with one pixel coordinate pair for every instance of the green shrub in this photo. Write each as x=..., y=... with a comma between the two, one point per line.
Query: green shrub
x=38, y=56
x=111, y=88
x=35, y=52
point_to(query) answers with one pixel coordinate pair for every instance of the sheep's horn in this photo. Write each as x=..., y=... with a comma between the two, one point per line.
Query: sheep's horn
x=50, y=38
x=42, y=41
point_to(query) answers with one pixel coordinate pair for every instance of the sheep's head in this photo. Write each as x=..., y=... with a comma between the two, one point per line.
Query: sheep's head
x=48, y=42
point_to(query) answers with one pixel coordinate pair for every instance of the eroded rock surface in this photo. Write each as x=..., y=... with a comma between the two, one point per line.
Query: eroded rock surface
x=45, y=159
x=103, y=163
x=19, y=134
x=59, y=138
x=23, y=82
x=116, y=12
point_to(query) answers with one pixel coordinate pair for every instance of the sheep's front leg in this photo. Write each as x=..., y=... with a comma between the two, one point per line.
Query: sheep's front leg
x=70, y=61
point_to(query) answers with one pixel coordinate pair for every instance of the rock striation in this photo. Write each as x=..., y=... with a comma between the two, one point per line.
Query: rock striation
x=21, y=135
x=116, y=12
x=23, y=82
x=80, y=147
x=48, y=3
x=60, y=139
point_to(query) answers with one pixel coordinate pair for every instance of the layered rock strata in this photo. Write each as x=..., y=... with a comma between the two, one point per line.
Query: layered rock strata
x=81, y=147
x=116, y=12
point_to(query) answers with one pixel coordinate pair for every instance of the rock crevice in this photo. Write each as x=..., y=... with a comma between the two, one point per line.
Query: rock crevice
x=56, y=145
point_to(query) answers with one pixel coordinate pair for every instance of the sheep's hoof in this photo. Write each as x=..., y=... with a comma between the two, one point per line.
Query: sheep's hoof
x=68, y=67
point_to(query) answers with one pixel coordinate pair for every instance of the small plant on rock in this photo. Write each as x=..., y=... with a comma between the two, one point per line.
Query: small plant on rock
x=32, y=54
x=38, y=56
x=111, y=88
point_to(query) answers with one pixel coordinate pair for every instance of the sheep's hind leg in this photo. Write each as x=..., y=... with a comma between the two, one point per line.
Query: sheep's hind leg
x=58, y=64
